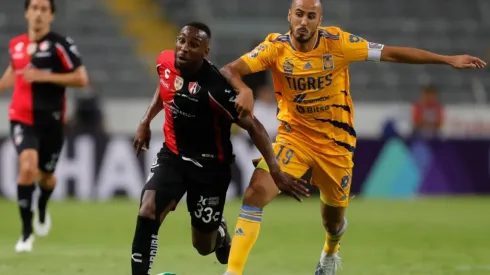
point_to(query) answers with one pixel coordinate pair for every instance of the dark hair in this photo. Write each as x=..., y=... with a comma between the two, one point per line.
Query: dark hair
x=200, y=26
x=53, y=5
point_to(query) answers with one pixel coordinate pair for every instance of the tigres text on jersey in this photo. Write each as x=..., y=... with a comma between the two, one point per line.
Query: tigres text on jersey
x=312, y=88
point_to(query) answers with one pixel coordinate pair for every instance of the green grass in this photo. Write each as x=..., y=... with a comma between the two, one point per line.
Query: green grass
x=441, y=236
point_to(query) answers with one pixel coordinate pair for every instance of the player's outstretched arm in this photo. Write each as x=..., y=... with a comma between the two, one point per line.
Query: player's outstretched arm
x=7, y=80
x=418, y=56
x=143, y=134
x=233, y=73
x=286, y=183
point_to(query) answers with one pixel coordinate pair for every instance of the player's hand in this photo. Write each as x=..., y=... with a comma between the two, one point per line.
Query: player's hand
x=35, y=75
x=466, y=62
x=290, y=185
x=244, y=102
x=142, y=140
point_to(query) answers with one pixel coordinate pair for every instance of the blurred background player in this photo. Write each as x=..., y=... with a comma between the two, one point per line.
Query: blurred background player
x=427, y=114
x=197, y=101
x=310, y=72
x=42, y=64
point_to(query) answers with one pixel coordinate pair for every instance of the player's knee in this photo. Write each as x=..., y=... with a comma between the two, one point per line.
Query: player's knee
x=333, y=219
x=28, y=166
x=261, y=190
x=148, y=208
x=203, y=247
x=47, y=180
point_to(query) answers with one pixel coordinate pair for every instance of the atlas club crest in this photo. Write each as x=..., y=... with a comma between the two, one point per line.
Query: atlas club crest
x=194, y=88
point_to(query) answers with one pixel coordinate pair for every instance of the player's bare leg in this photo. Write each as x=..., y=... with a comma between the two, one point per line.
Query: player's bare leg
x=335, y=224
x=152, y=213
x=28, y=167
x=259, y=193
x=218, y=241
x=42, y=220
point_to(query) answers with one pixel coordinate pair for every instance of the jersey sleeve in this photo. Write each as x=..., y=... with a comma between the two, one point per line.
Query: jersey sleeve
x=68, y=53
x=222, y=99
x=261, y=58
x=356, y=48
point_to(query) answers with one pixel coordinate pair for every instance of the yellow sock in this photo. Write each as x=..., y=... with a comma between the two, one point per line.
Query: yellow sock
x=332, y=242
x=246, y=233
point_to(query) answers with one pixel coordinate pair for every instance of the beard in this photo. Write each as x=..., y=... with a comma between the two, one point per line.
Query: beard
x=301, y=38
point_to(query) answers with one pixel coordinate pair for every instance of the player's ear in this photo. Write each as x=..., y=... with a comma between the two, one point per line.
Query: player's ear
x=289, y=16
x=321, y=20
x=206, y=52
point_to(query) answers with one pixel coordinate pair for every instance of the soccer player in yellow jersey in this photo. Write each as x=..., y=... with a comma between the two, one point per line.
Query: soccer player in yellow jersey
x=309, y=65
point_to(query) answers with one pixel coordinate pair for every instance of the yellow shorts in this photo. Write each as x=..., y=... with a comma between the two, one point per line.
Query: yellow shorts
x=332, y=180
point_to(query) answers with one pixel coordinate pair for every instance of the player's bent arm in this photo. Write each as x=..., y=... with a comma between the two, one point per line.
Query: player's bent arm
x=412, y=56
x=7, y=80
x=77, y=78
x=261, y=139
x=233, y=73
x=155, y=107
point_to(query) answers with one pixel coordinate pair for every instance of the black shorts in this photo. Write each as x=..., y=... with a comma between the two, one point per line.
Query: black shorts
x=205, y=182
x=46, y=139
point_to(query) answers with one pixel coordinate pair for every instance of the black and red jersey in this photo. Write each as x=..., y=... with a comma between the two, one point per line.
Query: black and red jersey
x=199, y=110
x=34, y=103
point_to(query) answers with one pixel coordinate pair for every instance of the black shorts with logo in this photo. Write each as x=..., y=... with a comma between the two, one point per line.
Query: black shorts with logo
x=47, y=140
x=205, y=182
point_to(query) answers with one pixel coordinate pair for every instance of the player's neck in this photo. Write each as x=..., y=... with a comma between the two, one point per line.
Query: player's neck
x=35, y=35
x=304, y=47
x=189, y=72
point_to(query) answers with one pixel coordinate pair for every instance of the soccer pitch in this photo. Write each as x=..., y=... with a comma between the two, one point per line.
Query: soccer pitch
x=440, y=236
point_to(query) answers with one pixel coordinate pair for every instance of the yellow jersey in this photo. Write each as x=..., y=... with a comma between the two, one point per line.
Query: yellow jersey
x=312, y=88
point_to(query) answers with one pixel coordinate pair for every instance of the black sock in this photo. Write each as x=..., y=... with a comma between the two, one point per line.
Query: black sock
x=220, y=238
x=24, y=199
x=43, y=202
x=145, y=245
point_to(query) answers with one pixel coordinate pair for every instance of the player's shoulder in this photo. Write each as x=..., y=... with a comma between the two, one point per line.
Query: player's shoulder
x=23, y=38
x=213, y=76
x=166, y=57
x=59, y=38
x=276, y=39
x=330, y=33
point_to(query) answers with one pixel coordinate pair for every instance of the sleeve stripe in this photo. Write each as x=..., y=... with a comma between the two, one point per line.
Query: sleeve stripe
x=219, y=107
x=65, y=58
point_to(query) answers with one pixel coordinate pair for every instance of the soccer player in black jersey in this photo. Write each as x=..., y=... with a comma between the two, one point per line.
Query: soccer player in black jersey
x=196, y=156
x=42, y=64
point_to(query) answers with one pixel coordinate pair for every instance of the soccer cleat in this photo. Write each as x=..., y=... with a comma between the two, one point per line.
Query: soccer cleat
x=223, y=251
x=328, y=265
x=24, y=245
x=42, y=229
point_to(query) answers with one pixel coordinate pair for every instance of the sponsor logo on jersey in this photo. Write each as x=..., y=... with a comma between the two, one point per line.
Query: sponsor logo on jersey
x=375, y=46
x=312, y=109
x=255, y=52
x=19, y=47
x=301, y=99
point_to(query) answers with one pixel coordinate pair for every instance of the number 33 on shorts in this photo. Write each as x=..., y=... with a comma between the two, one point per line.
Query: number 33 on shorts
x=205, y=211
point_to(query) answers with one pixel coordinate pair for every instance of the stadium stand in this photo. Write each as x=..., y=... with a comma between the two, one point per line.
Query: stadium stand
x=109, y=55
x=446, y=26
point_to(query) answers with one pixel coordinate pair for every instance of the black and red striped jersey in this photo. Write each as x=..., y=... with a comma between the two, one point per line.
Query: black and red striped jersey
x=199, y=110
x=34, y=103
